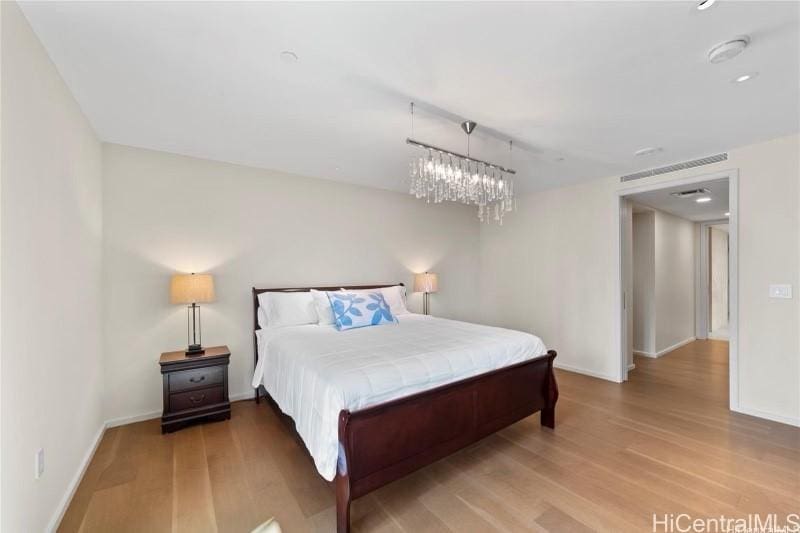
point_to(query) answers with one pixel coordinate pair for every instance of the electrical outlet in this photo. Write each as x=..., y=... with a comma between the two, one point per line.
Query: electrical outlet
x=39, y=463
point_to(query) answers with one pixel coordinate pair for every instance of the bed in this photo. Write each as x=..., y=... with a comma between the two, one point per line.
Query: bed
x=375, y=404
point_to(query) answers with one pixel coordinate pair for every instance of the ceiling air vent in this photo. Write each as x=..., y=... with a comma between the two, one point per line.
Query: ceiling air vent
x=674, y=168
x=690, y=193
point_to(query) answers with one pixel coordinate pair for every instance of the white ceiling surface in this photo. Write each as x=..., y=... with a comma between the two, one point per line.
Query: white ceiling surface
x=687, y=208
x=590, y=82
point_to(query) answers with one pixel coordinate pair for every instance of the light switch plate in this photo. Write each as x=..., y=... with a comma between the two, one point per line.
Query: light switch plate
x=780, y=291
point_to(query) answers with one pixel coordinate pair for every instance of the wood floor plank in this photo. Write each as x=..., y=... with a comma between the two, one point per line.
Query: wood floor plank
x=636, y=471
x=151, y=456
x=234, y=508
x=454, y=512
x=496, y=503
x=663, y=442
x=402, y=501
x=77, y=510
x=108, y=510
x=193, y=504
x=557, y=521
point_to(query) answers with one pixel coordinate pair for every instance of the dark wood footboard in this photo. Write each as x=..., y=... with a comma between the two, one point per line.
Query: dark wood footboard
x=385, y=442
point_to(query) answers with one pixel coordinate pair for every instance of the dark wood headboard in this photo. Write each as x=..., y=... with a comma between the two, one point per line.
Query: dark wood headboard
x=257, y=291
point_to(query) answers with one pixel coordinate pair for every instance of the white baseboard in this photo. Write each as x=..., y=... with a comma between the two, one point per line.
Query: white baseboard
x=75, y=481
x=123, y=420
x=789, y=420
x=631, y=367
x=666, y=350
x=586, y=372
x=249, y=395
x=675, y=346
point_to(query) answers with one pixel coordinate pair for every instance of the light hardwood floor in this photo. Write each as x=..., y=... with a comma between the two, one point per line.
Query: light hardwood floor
x=662, y=443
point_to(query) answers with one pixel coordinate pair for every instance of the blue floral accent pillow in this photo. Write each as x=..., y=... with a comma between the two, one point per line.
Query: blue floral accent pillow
x=352, y=310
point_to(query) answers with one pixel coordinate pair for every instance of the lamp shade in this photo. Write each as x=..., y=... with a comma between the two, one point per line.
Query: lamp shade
x=191, y=289
x=426, y=282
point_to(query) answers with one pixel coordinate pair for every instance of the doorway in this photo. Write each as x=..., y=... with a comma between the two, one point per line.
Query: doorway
x=678, y=271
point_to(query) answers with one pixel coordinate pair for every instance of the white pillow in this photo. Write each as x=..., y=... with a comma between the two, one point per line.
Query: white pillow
x=287, y=308
x=395, y=297
x=262, y=316
x=323, y=307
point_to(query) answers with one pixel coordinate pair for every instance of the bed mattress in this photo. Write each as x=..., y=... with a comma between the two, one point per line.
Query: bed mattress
x=313, y=372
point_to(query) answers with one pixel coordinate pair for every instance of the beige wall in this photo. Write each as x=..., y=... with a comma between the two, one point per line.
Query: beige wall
x=664, y=249
x=769, y=224
x=718, y=276
x=50, y=178
x=166, y=213
x=675, y=249
x=551, y=269
x=644, y=283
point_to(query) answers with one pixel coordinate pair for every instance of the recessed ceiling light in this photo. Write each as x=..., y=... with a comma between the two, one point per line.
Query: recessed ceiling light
x=289, y=57
x=705, y=4
x=745, y=77
x=647, y=151
x=727, y=213
x=703, y=200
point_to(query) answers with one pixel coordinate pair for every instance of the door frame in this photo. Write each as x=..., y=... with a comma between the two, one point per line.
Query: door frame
x=621, y=316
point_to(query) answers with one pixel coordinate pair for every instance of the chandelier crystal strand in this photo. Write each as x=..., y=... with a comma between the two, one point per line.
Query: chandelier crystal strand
x=441, y=175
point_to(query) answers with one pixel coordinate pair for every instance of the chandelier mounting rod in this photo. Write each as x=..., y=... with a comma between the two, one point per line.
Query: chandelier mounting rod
x=461, y=156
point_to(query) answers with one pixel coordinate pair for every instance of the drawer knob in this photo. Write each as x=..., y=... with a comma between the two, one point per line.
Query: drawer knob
x=198, y=380
x=197, y=399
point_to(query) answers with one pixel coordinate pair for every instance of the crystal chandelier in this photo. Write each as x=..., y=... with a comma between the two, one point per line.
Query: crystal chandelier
x=441, y=175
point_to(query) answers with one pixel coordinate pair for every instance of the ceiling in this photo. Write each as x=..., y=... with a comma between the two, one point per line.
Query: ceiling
x=687, y=208
x=579, y=86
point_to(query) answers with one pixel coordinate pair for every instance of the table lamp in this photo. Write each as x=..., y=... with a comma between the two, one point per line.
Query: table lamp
x=426, y=283
x=192, y=289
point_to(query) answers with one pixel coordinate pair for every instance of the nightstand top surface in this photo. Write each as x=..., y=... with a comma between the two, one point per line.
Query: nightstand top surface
x=213, y=352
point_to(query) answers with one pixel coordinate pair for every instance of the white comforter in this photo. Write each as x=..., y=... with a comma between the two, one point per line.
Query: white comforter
x=313, y=372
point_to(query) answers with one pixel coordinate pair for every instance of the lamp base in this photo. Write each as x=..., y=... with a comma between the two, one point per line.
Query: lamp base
x=194, y=350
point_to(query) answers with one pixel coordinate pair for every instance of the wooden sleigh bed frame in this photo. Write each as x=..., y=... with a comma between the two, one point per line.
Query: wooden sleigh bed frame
x=385, y=442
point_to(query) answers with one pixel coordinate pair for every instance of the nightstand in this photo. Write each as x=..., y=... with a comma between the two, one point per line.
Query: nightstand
x=195, y=388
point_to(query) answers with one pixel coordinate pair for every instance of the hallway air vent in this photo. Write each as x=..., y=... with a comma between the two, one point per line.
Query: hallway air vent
x=690, y=193
x=673, y=168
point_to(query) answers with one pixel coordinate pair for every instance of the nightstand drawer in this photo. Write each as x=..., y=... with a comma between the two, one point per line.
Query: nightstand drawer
x=196, y=398
x=196, y=378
